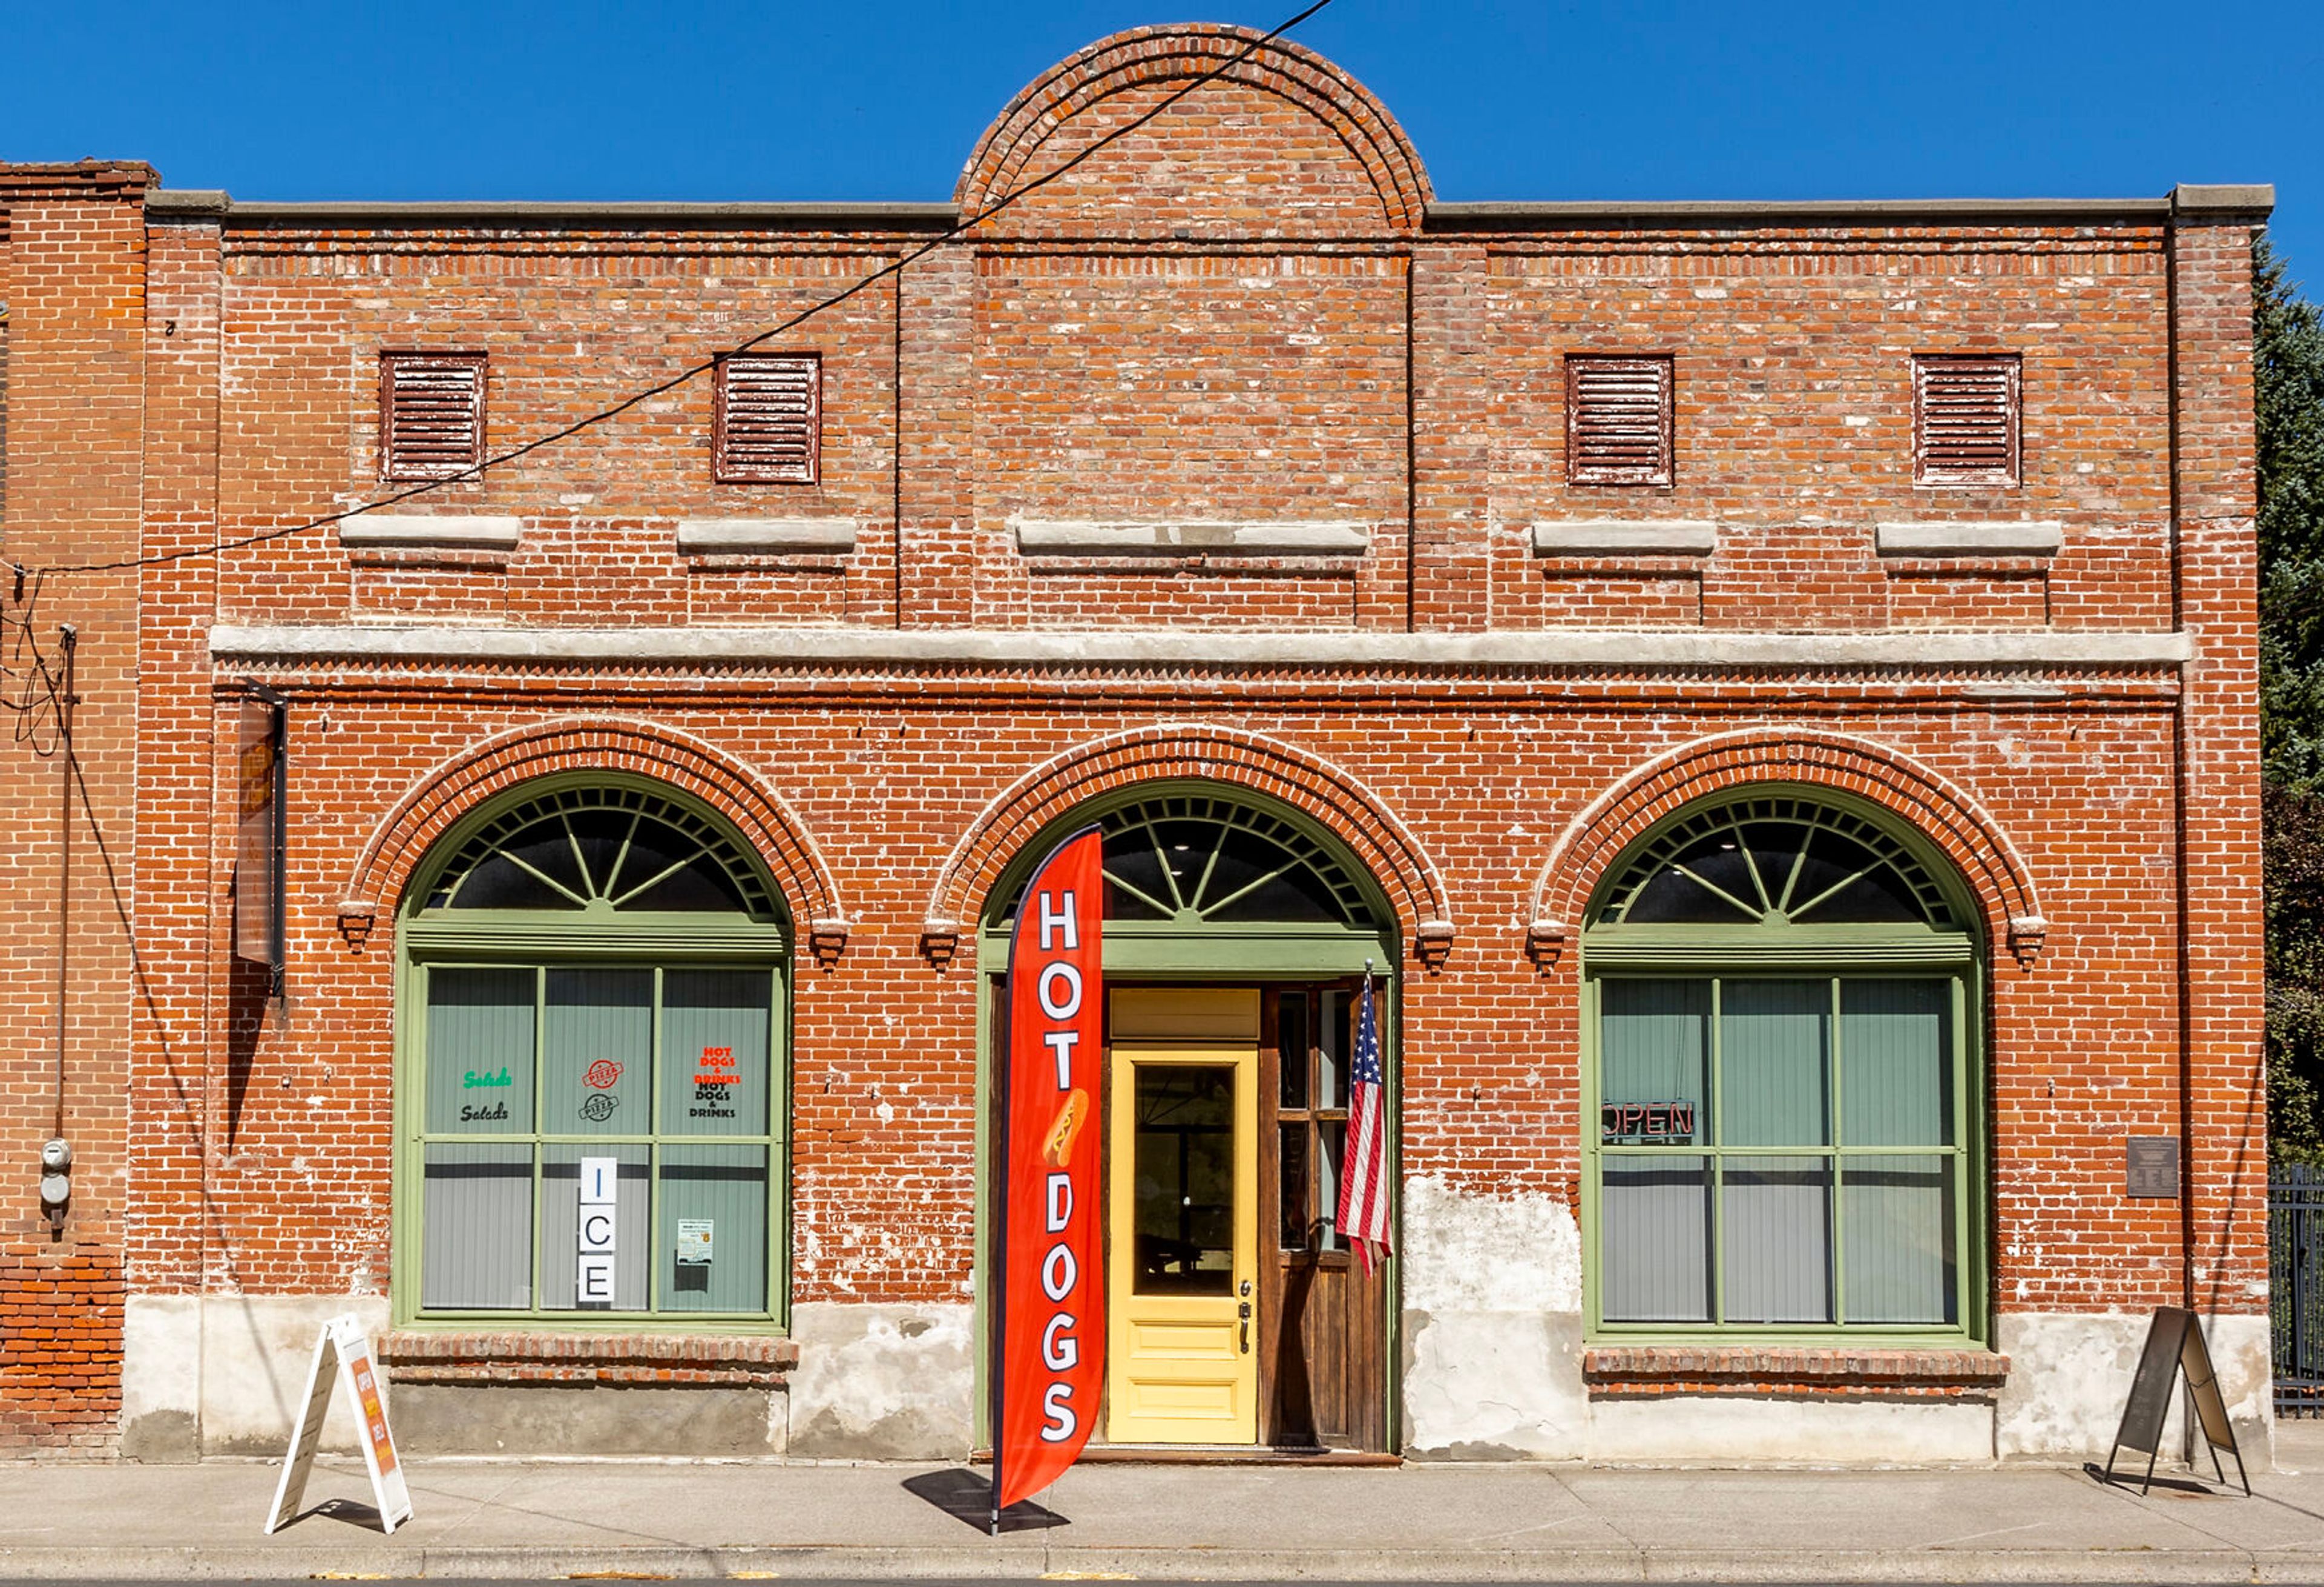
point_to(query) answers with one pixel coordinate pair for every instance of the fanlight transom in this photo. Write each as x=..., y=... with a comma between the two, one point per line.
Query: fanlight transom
x=601, y=850
x=1775, y=862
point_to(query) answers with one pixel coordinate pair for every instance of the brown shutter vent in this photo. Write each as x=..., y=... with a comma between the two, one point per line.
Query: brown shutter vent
x=769, y=418
x=1617, y=421
x=431, y=414
x=1965, y=421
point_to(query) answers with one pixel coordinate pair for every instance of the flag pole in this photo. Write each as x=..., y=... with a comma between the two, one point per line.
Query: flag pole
x=999, y=1310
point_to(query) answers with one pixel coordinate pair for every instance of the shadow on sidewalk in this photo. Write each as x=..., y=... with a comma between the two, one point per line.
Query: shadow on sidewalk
x=967, y=1496
x=339, y=1510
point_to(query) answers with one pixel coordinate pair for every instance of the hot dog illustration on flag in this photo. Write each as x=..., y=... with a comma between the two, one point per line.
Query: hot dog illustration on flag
x=1052, y=1324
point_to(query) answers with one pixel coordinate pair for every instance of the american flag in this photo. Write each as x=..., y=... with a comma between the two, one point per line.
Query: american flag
x=1363, y=1162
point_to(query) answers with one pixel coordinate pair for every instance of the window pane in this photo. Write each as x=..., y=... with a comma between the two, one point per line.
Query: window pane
x=1294, y=1190
x=1777, y=1231
x=715, y=1027
x=480, y=1051
x=1773, y=1039
x=1291, y=1049
x=533, y=869
x=597, y=1053
x=714, y=1204
x=1895, y=1052
x=1898, y=1212
x=1183, y=1175
x=1334, y=1042
x=1654, y=1061
x=476, y=1226
x=560, y=1225
x=1654, y=1222
x=1332, y=1151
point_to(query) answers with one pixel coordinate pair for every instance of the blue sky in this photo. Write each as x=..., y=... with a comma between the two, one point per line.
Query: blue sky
x=778, y=101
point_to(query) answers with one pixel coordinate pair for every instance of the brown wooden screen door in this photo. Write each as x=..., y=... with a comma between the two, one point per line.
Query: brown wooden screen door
x=1322, y=1328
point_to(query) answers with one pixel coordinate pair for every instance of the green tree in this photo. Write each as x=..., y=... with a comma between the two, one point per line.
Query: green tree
x=2288, y=345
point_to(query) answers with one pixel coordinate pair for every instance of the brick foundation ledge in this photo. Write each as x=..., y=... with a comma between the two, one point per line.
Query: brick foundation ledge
x=668, y=1360
x=1646, y=1372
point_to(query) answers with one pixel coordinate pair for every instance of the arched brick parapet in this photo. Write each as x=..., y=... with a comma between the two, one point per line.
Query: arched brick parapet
x=450, y=790
x=1324, y=793
x=1937, y=809
x=1005, y=157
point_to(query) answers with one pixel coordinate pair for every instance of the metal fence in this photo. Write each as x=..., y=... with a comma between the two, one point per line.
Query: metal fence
x=2295, y=1278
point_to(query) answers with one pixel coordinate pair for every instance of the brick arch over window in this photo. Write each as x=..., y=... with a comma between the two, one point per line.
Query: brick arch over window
x=1320, y=791
x=1932, y=806
x=451, y=789
x=1007, y=156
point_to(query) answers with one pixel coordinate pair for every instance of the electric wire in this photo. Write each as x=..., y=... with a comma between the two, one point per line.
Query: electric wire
x=894, y=267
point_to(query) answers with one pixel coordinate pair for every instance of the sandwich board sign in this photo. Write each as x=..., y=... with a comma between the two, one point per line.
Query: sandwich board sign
x=343, y=1357
x=2175, y=1345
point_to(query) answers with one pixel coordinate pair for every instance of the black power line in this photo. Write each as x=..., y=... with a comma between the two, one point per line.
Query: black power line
x=895, y=267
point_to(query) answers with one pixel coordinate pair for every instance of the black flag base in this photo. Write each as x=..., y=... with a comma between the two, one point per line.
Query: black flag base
x=968, y=1496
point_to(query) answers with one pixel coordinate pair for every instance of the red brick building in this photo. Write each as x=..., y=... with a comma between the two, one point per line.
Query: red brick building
x=1767, y=689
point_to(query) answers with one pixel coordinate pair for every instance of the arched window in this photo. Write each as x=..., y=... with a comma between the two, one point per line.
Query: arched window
x=593, y=1105
x=1206, y=861
x=1781, y=989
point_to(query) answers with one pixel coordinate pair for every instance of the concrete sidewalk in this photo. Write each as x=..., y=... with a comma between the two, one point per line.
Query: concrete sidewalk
x=542, y=1518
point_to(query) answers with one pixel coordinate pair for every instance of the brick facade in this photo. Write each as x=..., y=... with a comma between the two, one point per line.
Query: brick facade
x=1249, y=312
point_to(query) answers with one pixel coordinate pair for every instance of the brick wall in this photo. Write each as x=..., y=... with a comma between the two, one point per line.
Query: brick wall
x=1234, y=315
x=75, y=289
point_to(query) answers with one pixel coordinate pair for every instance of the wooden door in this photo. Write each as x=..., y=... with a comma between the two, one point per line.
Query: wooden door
x=1182, y=1218
x=1323, y=1326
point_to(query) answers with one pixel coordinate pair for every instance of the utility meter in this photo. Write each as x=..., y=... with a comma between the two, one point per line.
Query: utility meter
x=56, y=1173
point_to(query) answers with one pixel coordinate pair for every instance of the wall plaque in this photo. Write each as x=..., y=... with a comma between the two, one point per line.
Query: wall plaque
x=2151, y=1167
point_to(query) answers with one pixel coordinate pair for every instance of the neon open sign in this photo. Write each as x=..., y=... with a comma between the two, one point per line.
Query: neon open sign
x=1648, y=1122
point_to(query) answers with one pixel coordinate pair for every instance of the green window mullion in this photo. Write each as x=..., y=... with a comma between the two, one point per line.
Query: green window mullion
x=1718, y=1241
x=1838, y=1105
x=1969, y=1286
x=539, y=1090
x=653, y=1149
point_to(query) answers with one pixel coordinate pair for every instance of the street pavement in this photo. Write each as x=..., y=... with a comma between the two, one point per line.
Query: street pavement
x=536, y=1519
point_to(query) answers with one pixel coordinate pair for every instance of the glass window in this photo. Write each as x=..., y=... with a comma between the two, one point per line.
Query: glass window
x=599, y=1138
x=1780, y=1150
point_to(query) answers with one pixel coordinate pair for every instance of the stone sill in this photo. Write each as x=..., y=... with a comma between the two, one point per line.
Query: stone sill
x=472, y=533
x=1599, y=539
x=674, y=1361
x=766, y=536
x=1653, y=1370
x=1976, y=540
x=1046, y=538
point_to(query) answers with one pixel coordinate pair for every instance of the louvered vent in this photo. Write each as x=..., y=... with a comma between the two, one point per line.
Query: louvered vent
x=769, y=418
x=1965, y=413
x=431, y=414
x=1617, y=421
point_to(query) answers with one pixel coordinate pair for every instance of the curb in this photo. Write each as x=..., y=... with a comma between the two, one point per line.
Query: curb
x=1029, y=1561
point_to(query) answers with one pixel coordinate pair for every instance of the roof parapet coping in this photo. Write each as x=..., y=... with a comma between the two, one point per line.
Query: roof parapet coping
x=2214, y=198
x=531, y=213
x=189, y=201
x=1743, y=214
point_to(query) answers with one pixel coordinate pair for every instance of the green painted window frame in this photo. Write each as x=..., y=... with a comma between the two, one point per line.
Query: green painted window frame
x=1836, y=953
x=544, y=941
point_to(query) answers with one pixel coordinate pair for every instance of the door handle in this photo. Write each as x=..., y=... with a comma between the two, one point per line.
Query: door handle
x=1242, y=1318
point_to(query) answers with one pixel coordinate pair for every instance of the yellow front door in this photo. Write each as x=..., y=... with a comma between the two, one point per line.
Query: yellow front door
x=1182, y=1156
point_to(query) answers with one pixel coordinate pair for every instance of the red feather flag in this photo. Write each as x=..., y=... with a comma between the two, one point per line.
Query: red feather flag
x=1052, y=1323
